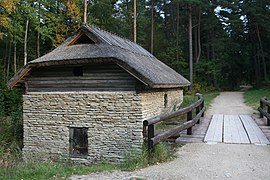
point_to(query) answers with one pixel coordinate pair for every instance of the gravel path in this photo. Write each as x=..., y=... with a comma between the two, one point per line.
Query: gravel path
x=229, y=103
x=207, y=161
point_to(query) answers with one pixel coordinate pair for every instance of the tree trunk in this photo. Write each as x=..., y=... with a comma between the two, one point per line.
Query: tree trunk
x=261, y=52
x=129, y=20
x=38, y=33
x=8, y=63
x=172, y=6
x=5, y=58
x=152, y=26
x=85, y=12
x=38, y=44
x=213, y=52
x=25, y=41
x=208, y=47
x=199, y=37
x=15, y=56
x=135, y=21
x=195, y=44
x=257, y=73
x=177, y=32
x=166, y=21
x=190, y=47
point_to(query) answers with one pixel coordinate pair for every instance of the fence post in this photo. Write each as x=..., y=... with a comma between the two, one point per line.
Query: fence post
x=197, y=112
x=261, y=106
x=268, y=111
x=151, y=134
x=200, y=96
x=189, y=117
x=144, y=134
x=202, y=106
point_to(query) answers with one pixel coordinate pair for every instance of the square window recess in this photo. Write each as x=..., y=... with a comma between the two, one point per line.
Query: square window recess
x=78, y=142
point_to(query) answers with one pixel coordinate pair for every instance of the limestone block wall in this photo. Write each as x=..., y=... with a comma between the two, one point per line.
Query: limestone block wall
x=113, y=119
x=154, y=103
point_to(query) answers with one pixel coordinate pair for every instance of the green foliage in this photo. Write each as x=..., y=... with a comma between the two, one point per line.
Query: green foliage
x=208, y=98
x=51, y=170
x=61, y=170
x=11, y=113
x=162, y=152
x=252, y=96
x=6, y=8
x=10, y=124
x=207, y=73
x=233, y=50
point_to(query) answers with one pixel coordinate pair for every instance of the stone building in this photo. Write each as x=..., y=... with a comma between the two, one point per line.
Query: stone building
x=86, y=100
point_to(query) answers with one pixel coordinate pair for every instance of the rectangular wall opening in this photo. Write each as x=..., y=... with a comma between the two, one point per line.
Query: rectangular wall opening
x=165, y=100
x=78, y=141
x=78, y=71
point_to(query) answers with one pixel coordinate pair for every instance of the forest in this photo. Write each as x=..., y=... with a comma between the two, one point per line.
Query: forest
x=222, y=43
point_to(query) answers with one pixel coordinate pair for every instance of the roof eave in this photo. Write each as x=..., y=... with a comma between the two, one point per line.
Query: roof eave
x=167, y=86
x=16, y=79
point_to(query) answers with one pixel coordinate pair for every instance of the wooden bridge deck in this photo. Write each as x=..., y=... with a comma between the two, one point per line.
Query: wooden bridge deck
x=236, y=129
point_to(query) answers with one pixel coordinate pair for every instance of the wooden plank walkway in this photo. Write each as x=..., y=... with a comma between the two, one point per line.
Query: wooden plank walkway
x=236, y=129
x=214, y=133
x=255, y=134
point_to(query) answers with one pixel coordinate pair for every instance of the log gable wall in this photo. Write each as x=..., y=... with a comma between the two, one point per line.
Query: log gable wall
x=95, y=77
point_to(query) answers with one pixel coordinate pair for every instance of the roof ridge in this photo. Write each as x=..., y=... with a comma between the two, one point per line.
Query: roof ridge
x=111, y=33
x=114, y=34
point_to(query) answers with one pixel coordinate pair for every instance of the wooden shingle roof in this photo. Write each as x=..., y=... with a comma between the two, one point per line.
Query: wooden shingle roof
x=91, y=44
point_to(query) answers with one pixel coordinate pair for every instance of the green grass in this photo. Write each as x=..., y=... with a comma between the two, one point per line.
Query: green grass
x=62, y=170
x=252, y=96
x=50, y=170
x=162, y=152
x=209, y=97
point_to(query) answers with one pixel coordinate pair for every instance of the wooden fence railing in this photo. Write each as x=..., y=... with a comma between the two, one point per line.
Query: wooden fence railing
x=263, y=111
x=149, y=124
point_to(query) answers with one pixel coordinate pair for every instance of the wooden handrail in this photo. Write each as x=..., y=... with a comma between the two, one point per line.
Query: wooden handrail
x=264, y=113
x=165, y=135
x=153, y=140
x=265, y=103
x=179, y=112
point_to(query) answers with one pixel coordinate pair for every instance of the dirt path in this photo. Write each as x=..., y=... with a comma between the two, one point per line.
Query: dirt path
x=204, y=161
x=229, y=103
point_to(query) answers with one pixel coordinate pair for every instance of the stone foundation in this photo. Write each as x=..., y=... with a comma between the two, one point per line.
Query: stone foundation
x=113, y=121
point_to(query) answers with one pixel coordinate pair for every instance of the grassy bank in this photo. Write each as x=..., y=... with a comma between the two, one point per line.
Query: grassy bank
x=252, y=96
x=62, y=170
x=208, y=97
x=50, y=170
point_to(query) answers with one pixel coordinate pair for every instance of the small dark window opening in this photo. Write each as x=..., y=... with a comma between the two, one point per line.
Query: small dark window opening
x=78, y=71
x=165, y=100
x=83, y=39
x=78, y=142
